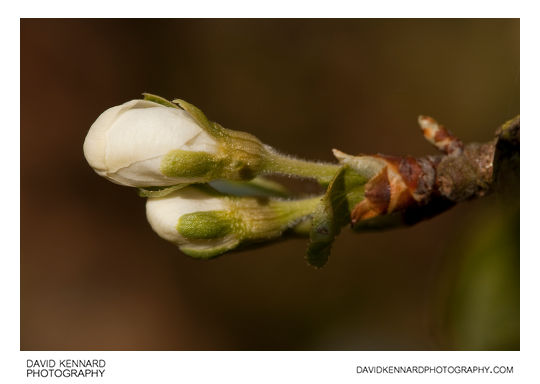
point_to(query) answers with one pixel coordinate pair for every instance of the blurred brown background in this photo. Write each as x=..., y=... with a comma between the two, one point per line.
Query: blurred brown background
x=95, y=276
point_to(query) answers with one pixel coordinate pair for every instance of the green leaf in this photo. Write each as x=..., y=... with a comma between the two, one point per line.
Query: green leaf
x=343, y=193
x=159, y=191
x=159, y=100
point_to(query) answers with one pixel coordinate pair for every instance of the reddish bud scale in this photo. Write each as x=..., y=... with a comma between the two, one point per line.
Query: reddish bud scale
x=406, y=183
x=403, y=182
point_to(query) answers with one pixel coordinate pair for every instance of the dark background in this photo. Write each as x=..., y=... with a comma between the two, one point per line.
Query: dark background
x=95, y=276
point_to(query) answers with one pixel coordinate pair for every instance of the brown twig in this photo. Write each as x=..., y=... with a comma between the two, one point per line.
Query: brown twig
x=407, y=189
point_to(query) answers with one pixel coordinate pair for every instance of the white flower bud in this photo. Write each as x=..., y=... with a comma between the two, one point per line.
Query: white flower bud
x=204, y=223
x=163, y=212
x=127, y=143
x=205, y=237
x=153, y=143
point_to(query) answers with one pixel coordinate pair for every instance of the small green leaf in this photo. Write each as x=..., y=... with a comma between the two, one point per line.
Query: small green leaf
x=321, y=236
x=159, y=191
x=159, y=100
x=343, y=193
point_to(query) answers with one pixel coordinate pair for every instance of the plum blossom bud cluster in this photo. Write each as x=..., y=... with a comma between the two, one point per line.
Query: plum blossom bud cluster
x=163, y=147
x=207, y=192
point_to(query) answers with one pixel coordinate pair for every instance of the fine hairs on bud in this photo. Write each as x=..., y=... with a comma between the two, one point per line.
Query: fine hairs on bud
x=294, y=167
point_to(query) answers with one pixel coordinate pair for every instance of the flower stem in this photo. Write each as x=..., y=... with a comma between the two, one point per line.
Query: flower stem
x=286, y=165
x=268, y=221
x=293, y=210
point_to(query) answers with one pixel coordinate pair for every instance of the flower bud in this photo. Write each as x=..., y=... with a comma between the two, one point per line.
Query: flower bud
x=204, y=223
x=143, y=143
x=165, y=217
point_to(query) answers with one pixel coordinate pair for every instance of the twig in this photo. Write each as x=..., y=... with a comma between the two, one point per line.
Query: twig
x=410, y=189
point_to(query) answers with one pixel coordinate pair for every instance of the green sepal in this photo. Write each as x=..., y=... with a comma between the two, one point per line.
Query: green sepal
x=343, y=193
x=189, y=164
x=364, y=165
x=159, y=191
x=302, y=228
x=198, y=116
x=159, y=100
x=205, y=252
x=205, y=225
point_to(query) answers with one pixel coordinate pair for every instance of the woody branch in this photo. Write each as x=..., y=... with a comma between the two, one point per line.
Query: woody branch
x=410, y=189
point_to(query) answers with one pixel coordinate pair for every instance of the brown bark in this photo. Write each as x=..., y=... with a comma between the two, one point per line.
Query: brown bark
x=436, y=183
